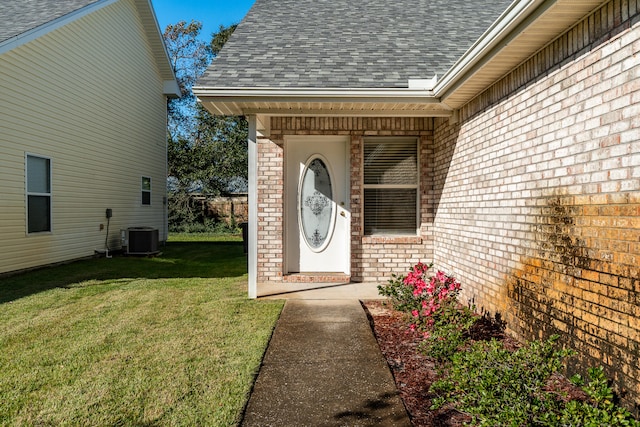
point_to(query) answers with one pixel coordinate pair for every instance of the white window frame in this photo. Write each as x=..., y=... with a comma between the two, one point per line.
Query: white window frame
x=415, y=186
x=144, y=190
x=33, y=193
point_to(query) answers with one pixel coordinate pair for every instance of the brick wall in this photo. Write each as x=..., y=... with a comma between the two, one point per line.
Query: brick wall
x=380, y=256
x=537, y=195
x=372, y=258
x=270, y=210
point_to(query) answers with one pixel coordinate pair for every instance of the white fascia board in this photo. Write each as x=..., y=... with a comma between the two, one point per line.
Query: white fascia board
x=46, y=28
x=158, y=32
x=427, y=84
x=171, y=89
x=317, y=95
x=496, y=37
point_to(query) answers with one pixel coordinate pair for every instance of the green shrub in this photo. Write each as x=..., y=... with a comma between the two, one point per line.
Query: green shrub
x=494, y=385
x=501, y=387
x=599, y=410
x=206, y=225
x=449, y=332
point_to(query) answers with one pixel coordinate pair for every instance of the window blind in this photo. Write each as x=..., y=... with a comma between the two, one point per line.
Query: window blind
x=391, y=163
x=390, y=186
x=389, y=211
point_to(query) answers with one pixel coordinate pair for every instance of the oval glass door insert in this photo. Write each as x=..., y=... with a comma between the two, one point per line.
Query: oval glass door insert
x=316, y=204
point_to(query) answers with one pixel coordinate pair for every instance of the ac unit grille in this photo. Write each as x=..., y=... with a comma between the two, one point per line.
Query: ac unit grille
x=142, y=240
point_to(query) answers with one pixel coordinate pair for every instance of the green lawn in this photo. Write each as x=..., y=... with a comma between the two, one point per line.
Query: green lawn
x=170, y=340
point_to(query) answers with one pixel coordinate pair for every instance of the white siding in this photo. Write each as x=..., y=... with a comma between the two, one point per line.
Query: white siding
x=89, y=96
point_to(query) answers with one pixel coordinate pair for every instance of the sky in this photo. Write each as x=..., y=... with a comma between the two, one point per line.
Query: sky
x=212, y=13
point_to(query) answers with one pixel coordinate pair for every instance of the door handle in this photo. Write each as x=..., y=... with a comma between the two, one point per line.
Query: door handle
x=342, y=213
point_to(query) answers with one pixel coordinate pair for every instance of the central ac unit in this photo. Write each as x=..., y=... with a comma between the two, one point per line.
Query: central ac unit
x=140, y=241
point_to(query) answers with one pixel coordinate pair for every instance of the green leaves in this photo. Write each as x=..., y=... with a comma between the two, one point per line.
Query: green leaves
x=206, y=154
x=497, y=386
x=220, y=38
x=189, y=55
x=600, y=409
x=500, y=387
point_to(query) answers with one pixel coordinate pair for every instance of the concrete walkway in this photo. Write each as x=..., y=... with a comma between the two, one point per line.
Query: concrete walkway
x=323, y=367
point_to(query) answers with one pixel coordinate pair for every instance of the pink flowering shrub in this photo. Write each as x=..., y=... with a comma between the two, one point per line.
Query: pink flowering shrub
x=421, y=295
x=431, y=301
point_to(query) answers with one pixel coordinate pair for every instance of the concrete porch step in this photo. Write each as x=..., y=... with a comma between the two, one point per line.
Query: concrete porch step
x=319, y=291
x=316, y=278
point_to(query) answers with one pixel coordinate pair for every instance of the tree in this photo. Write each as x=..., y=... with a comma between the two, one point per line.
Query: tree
x=206, y=154
x=220, y=38
x=189, y=57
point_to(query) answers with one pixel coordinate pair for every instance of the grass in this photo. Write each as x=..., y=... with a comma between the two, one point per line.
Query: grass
x=170, y=340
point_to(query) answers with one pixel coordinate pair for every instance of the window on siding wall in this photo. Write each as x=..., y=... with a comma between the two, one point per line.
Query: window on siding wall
x=38, y=171
x=391, y=186
x=146, y=190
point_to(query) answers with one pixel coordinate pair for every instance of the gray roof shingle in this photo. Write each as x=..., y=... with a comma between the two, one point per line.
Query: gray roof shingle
x=349, y=44
x=20, y=16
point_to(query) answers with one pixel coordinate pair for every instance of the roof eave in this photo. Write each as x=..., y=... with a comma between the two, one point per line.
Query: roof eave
x=156, y=40
x=321, y=101
x=39, y=31
x=504, y=43
x=497, y=33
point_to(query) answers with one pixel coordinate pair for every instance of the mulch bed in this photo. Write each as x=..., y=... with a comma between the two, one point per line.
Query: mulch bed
x=414, y=373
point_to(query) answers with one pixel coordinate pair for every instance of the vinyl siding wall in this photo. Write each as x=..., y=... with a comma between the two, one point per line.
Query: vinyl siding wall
x=88, y=96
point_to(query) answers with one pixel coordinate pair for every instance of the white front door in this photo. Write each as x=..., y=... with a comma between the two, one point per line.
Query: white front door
x=317, y=204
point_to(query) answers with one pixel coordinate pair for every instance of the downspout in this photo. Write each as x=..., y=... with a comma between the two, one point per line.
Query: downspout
x=252, y=253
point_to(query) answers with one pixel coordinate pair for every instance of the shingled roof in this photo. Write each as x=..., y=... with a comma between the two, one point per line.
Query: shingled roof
x=349, y=44
x=20, y=16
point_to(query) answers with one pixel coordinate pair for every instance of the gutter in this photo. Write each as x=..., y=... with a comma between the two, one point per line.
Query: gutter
x=519, y=15
x=249, y=94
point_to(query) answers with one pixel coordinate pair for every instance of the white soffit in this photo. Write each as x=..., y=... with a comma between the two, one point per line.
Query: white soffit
x=525, y=28
x=326, y=102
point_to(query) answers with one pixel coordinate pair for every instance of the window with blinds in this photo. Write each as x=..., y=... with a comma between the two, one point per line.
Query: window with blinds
x=391, y=186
